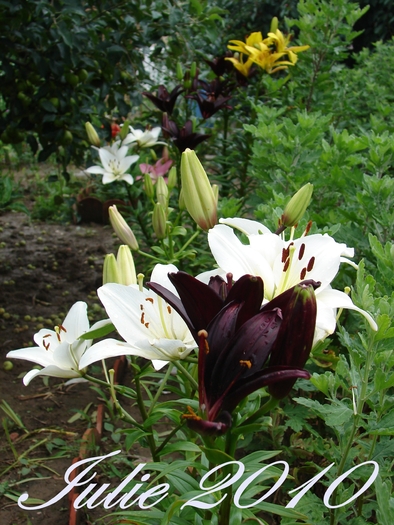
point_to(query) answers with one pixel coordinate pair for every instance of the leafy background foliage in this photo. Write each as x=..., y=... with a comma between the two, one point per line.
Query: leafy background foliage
x=328, y=120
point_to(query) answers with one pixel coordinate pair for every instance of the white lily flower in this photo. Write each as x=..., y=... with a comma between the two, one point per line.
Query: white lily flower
x=151, y=328
x=144, y=139
x=59, y=351
x=282, y=264
x=115, y=163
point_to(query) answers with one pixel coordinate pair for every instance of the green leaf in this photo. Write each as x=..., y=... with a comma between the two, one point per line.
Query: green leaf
x=385, y=501
x=335, y=415
x=98, y=332
x=185, y=446
x=179, y=230
x=215, y=456
x=197, y=7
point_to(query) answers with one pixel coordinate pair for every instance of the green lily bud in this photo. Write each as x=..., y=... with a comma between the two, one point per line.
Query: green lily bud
x=148, y=185
x=215, y=189
x=274, y=25
x=193, y=69
x=172, y=178
x=200, y=200
x=110, y=269
x=159, y=220
x=181, y=202
x=121, y=228
x=126, y=268
x=124, y=131
x=297, y=205
x=179, y=71
x=93, y=137
x=187, y=83
x=162, y=192
x=153, y=155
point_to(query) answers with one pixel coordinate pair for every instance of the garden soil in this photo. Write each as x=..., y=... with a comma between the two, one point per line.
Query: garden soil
x=44, y=269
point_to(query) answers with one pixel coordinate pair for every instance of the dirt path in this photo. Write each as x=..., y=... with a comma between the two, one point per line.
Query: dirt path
x=44, y=269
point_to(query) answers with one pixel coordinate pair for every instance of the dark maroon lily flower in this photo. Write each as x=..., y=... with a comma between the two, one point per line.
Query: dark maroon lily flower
x=235, y=337
x=220, y=65
x=211, y=96
x=182, y=138
x=164, y=100
x=210, y=105
x=294, y=342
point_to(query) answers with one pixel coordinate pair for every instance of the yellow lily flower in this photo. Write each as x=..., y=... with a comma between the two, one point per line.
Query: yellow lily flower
x=240, y=65
x=251, y=40
x=281, y=42
x=267, y=59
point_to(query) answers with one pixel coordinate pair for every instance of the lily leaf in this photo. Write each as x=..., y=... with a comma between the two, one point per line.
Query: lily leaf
x=99, y=332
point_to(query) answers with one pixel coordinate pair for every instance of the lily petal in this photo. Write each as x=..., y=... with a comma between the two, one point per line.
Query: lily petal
x=337, y=299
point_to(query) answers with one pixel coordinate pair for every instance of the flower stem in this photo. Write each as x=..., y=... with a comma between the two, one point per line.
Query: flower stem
x=163, y=384
x=191, y=239
x=183, y=370
x=225, y=507
x=144, y=415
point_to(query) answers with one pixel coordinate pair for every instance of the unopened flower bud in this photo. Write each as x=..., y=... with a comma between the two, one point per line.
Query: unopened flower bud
x=121, y=228
x=93, y=137
x=297, y=205
x=159, y=221
x=124, y=131
x=126, y=268
x=153, y=155
x=187, y=83
x=181, y=202
x=193, y=69
x=162, y=192
x=110, y=269
x=274, y=25
x=148, y=186
x=179, y=71
x=198, y=194
x=172, y=178
x=215, y=189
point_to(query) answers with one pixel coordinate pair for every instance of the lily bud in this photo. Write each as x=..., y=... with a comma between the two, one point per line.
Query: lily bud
x=153, y=155
x=181, y=201
x=297, y=205
x=110, y=269
x=193, y=69
x=179, y=71
x=295, y=337
x=187, y=83
x=126, y=268
x=215, y=189
x=93, y=137
x=162, y=192
x=121, y=228
x=172, y=178
x=159, y=220
x=148, y=185
x=124, y=131
x=198, y=194
x=274, y=24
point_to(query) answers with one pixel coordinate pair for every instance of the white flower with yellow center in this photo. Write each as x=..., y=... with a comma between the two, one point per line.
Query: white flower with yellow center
x=144, y=139
x=115, y=163
x=150, y=327
x=282, y=264
x=59, y=351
